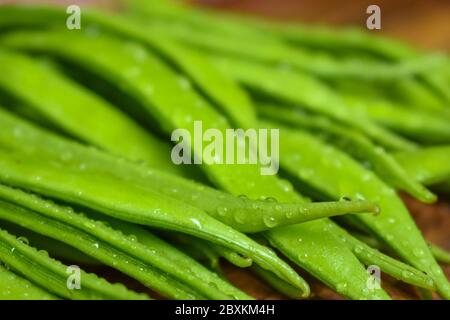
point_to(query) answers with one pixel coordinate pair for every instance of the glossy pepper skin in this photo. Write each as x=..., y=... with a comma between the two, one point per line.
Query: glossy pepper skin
x=336, y=175
x=52, y=274
x=227, y=178
x=236, y=179
x=241, y=213
x=71, y=181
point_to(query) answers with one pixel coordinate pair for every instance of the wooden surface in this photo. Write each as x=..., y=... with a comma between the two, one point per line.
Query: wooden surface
x=426, y=23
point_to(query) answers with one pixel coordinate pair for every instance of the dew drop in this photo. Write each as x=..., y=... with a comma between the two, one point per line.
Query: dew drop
x=17, y=132
x=406, y=275
x=341, y=287
x=196, y=223
x=89, y=225
x=360, y=196
x=23, y=240
x=270, y=199
x=222, y=211
x=359, y=249
x=270, y=221
x=148, y=89
x=239, y=216
x=184, y=83
x=43, y=252
x=418, y=252
x=302, y=256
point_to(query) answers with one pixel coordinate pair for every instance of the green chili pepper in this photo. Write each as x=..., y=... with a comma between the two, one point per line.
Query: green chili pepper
x=211, y=251
x=191, y=191
x=428, y=165
x=316, y=37
x=56, y=249
x=224, y=38
x=324, y=42
x=417, y=125
x=241, y=179
x=238, y=179
x=53, y=275
x=223, y=92
x=136, y=255
x=278, y=284
x=355, y=144
x=241, y=213
x=137, y=205
x=14, y=287
x=258, y=253
x=394, y=268
x=170, y=98
x=317, y=97
x=65, y=104
x=286, y=37
x=395, y=226
x=440, y=254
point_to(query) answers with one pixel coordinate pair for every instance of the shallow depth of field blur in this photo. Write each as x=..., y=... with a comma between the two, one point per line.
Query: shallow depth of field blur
x=424, y=24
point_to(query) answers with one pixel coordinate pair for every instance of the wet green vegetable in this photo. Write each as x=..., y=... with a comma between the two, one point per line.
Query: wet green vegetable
x=354, y=143
x=53, y=275
x=140, y=255
x=14, y=287
x=395, y=226
x=364, y=113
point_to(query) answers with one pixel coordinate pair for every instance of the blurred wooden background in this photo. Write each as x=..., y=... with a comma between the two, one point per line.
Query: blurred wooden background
x=425, y=23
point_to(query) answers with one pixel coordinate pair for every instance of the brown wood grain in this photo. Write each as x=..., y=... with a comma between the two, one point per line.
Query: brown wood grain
x=425, y=23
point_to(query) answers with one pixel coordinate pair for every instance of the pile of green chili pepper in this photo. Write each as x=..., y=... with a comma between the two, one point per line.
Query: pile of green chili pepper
x=86, y=176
